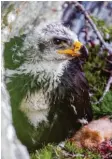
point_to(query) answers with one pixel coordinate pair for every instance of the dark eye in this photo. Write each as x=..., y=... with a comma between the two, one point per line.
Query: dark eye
x=57, y=41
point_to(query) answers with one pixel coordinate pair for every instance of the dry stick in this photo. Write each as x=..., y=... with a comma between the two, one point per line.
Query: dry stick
x=68, y=154
x=107, y=88
x=78, y=5
x=108, y=85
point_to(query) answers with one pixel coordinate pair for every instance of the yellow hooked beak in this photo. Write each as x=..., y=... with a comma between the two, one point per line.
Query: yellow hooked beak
x=72, y=51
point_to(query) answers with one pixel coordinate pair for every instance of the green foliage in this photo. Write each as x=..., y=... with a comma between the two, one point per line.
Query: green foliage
x=83, y=153
x=12, y=53
x=105, y=107
x=47, y=153
x=69, y=151
x=93, y=70
x=72, y=148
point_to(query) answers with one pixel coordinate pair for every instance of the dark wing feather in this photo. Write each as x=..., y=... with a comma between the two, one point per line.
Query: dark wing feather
x=77, y=90
x=81, y=93
x=72, y=93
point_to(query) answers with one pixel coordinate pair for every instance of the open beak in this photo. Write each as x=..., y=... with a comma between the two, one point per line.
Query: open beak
x=74, y=51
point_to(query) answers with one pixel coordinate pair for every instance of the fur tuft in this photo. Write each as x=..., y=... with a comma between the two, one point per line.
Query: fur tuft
x=93, y=134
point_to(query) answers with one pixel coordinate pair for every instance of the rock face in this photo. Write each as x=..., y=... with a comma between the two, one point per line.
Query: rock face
x=19, y=18
x=11, y=146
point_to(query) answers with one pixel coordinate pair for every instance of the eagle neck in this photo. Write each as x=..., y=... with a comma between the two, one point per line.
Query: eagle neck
x=45, y=72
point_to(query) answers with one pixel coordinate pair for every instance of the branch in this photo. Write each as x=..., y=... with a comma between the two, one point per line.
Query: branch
x=79, y=6
x=107, y=88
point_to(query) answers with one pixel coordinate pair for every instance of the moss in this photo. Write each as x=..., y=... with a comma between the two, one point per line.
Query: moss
x=67, y=152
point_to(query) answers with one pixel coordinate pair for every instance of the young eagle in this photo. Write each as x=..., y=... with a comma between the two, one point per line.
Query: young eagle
x=48, y=89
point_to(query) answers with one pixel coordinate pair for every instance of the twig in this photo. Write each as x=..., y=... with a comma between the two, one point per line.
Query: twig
x=69, y=154
x=107, y=88
x=108, y=85
x=78, y=5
